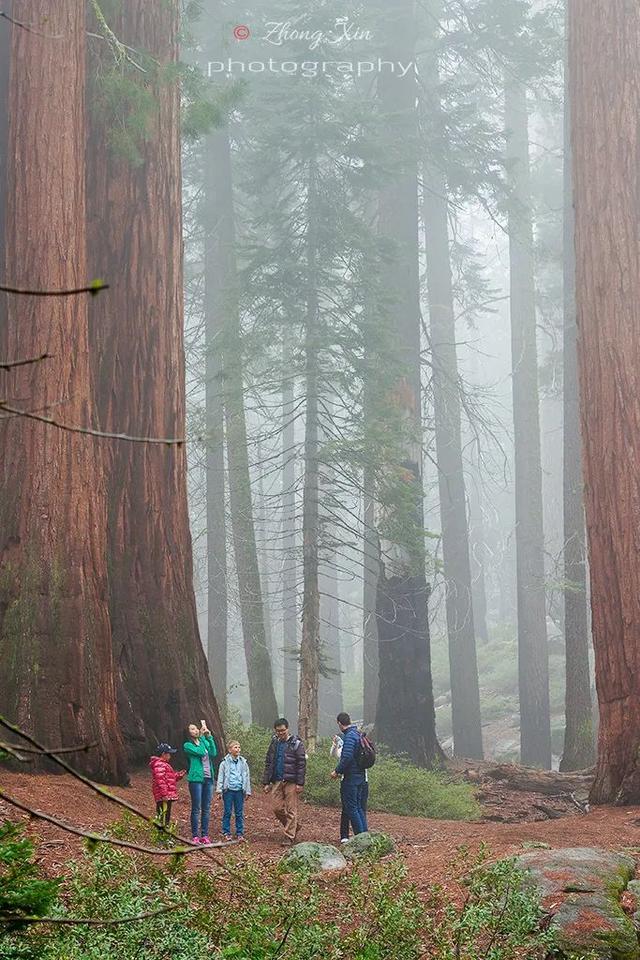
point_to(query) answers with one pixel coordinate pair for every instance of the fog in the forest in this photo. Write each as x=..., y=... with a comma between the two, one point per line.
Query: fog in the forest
x=346, y=203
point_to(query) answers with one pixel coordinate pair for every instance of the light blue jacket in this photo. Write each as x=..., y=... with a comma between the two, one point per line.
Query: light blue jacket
x=243, y=770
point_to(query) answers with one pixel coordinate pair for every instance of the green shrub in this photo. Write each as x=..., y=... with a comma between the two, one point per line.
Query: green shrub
x=500, y=918
x=23, y=892
x=396, y=786
x=253, y=911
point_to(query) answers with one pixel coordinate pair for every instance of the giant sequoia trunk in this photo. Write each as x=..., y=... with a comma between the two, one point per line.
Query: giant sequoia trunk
x=578, y=750
x=5, y=61
x=405, y=718
x=533, y=656
x=57, y=677
x=138, y=370
x=605, y=100
x=465, y=691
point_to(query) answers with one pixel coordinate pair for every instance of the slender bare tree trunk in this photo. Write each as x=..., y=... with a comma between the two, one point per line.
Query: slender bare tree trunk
x=330, y=685
x=57, y=679
x=579, y=746
x=477, y=552
x=465, y=691
x=262, y=529
x=214, y=307
x=264, y=707
x=137, y=358
x=533, y=657
x=405, y=718
x=310, y=647
x=289, y=566
x=370, y=574
x=604, y=42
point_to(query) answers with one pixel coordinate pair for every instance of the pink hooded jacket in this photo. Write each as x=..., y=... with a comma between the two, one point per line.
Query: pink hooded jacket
x=164, y=779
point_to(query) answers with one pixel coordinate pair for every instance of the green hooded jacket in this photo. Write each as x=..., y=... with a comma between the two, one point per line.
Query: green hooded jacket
x=195, y=752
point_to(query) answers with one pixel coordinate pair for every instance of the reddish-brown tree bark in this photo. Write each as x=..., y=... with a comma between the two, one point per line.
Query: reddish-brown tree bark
x=55, y=640
x=138, y=369
x=605, y=100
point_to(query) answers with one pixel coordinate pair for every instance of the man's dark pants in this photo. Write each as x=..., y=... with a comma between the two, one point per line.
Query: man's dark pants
x=351, y=797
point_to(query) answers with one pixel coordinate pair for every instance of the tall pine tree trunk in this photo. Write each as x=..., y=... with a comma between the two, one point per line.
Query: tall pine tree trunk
x=405, y=718
x=533, y=656
x=605, y=102
x=264, y=707
x=477, y=551
x=289, y=566
x=310, y=646
x=330, y=687
x=137, y=360
x=465, y=691
x=57, y=677
x=370, y=574
x=214, y=307
x=579, y=751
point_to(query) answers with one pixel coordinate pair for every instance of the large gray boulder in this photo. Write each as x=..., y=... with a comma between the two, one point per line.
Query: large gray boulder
x=581, y=888
x=368, y=846
x=313, y=857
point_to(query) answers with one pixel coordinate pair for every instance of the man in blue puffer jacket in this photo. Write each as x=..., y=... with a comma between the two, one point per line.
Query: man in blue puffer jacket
x=353, y=777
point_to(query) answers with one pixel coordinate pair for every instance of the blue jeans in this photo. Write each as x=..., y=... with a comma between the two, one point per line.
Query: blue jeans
x=351, y=796
x=364, y=800
x=233, y=800
x=201, y=794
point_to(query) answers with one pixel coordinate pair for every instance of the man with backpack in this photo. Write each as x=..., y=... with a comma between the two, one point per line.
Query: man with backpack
x=357, y=755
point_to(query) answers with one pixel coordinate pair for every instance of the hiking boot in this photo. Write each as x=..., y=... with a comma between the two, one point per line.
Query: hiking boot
x=205, y=842
x=196, y=840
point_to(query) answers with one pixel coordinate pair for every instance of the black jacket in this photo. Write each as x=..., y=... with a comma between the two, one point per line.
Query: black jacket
x=295, y=761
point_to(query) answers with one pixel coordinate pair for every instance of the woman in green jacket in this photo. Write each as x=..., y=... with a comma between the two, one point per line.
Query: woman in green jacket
x=201, y=751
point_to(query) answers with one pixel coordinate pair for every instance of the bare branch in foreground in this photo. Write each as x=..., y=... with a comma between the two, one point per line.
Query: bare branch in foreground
x=29, y=29
x=12, y=364
x=102, y=792
x=94, y=288
x=81, y=749
x=16, y=918
x=101, y=838
x=88, y=431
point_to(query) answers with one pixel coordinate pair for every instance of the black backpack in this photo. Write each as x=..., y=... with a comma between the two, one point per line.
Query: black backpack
x=366, y=752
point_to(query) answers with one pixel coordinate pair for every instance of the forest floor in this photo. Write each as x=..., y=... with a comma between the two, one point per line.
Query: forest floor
x=429, y=847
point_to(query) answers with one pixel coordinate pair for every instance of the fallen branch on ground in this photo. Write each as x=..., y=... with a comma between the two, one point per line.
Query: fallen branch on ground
x=81, y=921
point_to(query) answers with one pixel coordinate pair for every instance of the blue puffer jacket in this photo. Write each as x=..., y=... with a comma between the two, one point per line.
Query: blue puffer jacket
x=348, y=766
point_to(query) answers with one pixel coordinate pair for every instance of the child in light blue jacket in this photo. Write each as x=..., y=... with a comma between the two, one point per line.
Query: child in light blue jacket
x=234, y=785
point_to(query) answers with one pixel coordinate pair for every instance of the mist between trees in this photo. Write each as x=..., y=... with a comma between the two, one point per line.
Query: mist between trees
x=354, y=293
x=349, y=246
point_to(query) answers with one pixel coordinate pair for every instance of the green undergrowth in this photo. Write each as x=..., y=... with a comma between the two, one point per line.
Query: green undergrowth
x=395, y=785
x=248, y=910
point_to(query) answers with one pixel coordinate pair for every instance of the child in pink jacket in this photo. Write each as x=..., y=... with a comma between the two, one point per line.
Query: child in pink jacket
x=164, y=782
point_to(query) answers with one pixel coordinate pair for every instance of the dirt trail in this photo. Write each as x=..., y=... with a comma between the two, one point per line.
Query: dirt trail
x=428, y=846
